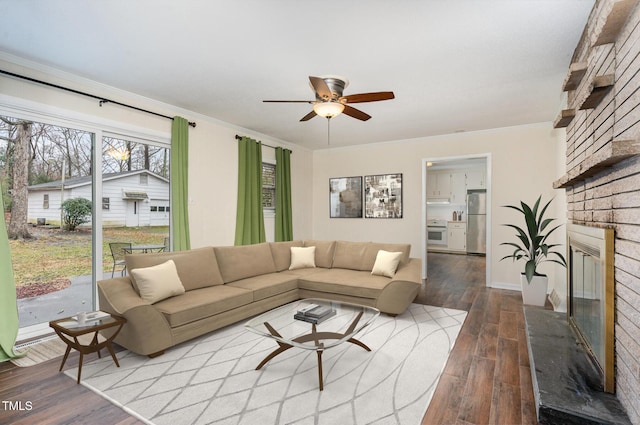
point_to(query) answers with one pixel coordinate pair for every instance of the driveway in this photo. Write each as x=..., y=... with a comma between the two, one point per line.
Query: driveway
x=57, y=305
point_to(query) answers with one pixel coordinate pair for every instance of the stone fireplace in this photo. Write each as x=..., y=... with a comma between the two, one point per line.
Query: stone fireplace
x=602, y=123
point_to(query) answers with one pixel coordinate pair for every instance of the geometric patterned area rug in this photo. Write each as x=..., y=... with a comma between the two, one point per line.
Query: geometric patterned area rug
x=212, y=379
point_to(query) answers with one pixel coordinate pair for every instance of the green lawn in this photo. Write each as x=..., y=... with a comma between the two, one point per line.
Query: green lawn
x=55, y=254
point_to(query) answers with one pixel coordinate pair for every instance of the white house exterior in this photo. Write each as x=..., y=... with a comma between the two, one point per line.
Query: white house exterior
x=129, y=199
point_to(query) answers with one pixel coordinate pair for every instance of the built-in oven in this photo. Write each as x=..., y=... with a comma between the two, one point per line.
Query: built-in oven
x=437, y=232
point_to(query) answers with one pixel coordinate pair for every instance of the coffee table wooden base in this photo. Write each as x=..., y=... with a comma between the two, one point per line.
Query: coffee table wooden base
x=313, y=336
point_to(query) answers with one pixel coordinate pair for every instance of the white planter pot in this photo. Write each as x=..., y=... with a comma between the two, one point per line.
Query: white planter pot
x=534, y=293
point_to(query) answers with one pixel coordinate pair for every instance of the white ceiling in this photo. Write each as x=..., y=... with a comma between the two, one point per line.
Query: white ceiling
x=456, y=65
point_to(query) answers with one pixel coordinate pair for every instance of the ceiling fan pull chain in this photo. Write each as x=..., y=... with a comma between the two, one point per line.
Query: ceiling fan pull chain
x=328, y=131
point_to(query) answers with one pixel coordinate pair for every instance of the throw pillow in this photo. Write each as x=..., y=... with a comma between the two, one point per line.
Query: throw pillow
x=386, y=263
x=158, y=282
x=302, y=258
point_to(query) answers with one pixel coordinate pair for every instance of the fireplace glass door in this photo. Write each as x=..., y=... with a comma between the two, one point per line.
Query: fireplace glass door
x=591, y=295
x=588, y=303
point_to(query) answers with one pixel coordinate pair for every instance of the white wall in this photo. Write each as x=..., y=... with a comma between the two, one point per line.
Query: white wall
x=213, y=181
x=212, y=144
x=523, y=166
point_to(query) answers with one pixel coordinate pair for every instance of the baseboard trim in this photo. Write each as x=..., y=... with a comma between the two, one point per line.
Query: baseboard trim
x=506, y=285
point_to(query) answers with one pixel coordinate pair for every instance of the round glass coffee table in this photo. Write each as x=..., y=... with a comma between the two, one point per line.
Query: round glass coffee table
x=312, y=324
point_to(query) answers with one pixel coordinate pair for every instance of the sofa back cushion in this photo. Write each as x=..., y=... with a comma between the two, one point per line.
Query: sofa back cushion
x=281, y=252
x=350, y=255
x=197, y=268
x=371, y=253
x=241, y=262
x=362, y=255
x=324, y=252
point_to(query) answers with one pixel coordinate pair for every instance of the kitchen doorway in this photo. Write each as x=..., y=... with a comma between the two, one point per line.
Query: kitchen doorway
x=450, y=225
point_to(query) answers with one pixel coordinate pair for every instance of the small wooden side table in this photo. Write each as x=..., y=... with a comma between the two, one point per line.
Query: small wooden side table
x=68, y=329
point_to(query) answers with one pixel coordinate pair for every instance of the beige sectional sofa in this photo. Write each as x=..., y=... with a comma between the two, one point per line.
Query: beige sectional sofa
x=223, y=285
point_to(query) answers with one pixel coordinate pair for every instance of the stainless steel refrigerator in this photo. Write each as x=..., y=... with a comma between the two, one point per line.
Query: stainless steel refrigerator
x=476, y=221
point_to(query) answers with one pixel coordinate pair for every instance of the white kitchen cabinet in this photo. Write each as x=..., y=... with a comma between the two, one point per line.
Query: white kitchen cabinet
x=476, y=178
x=458, y=188
x=438, y=184
x=457, y=240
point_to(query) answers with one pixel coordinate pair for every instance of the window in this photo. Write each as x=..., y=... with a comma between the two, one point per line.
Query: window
x=105, y=203
x=268, y=186
x=45, y=201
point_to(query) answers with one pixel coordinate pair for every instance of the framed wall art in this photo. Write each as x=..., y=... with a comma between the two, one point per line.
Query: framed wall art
x=383, y=196
x=345, y=197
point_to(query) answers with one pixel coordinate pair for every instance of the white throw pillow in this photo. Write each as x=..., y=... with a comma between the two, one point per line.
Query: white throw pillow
x=158, y=282
x=302, y=258
x=386, y=263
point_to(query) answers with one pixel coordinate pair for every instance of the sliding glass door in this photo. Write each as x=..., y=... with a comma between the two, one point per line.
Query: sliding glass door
x=63, y=218
x=134, y=201
x=46, y=177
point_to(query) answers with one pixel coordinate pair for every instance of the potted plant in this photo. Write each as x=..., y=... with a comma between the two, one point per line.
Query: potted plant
x=534, y=249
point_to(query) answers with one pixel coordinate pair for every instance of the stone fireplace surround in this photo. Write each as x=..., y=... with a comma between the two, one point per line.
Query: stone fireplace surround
x=602, y=122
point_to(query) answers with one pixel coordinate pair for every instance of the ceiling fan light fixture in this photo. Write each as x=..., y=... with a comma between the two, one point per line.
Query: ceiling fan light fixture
x=328, y=109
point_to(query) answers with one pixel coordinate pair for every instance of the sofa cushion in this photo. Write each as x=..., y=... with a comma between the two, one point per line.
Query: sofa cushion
x=267, y=285
x=324, y=252
x=281, y=252
x=350, y=255
x=201, y=303
x=386, y=263
x=301, y=272
x=157, y=283
x=197, y=268
x=369, y=257
x=303, y=257
x=241, y=262
x=346, y=282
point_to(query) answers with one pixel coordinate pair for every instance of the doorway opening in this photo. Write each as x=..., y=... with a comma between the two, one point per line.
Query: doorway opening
x=456, y=208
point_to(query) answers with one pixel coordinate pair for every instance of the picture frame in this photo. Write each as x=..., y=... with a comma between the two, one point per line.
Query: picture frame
x=345, y=197
x=383, y=196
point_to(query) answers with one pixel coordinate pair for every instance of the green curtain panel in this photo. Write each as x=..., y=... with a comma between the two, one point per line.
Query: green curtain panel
x=180, y=183
x=8, y=307
x=249, y=217
x=284, y=226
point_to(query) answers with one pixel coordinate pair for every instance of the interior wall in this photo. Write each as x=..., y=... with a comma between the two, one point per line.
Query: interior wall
x=212, y=145
x=523, y=162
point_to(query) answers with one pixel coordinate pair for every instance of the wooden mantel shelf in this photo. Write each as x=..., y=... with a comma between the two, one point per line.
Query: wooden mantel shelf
x=600, y=86
x=611, y=21
x=573, y=78
x=564, y=118
x=611, y=154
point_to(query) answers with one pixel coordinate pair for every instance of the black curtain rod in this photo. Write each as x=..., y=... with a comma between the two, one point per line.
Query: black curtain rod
x=101, y=99
x=263, y=144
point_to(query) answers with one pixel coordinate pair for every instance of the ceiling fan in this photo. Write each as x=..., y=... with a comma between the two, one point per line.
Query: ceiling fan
x=330, y=102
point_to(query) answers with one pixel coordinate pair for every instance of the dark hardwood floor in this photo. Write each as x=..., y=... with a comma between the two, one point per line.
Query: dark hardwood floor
x=486, y=380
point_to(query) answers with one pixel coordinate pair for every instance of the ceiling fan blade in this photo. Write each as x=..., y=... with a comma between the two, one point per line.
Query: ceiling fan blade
x=288, y=101
x=355, y=113
x=368, y=97
x=321, y=88
x=309, y=116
